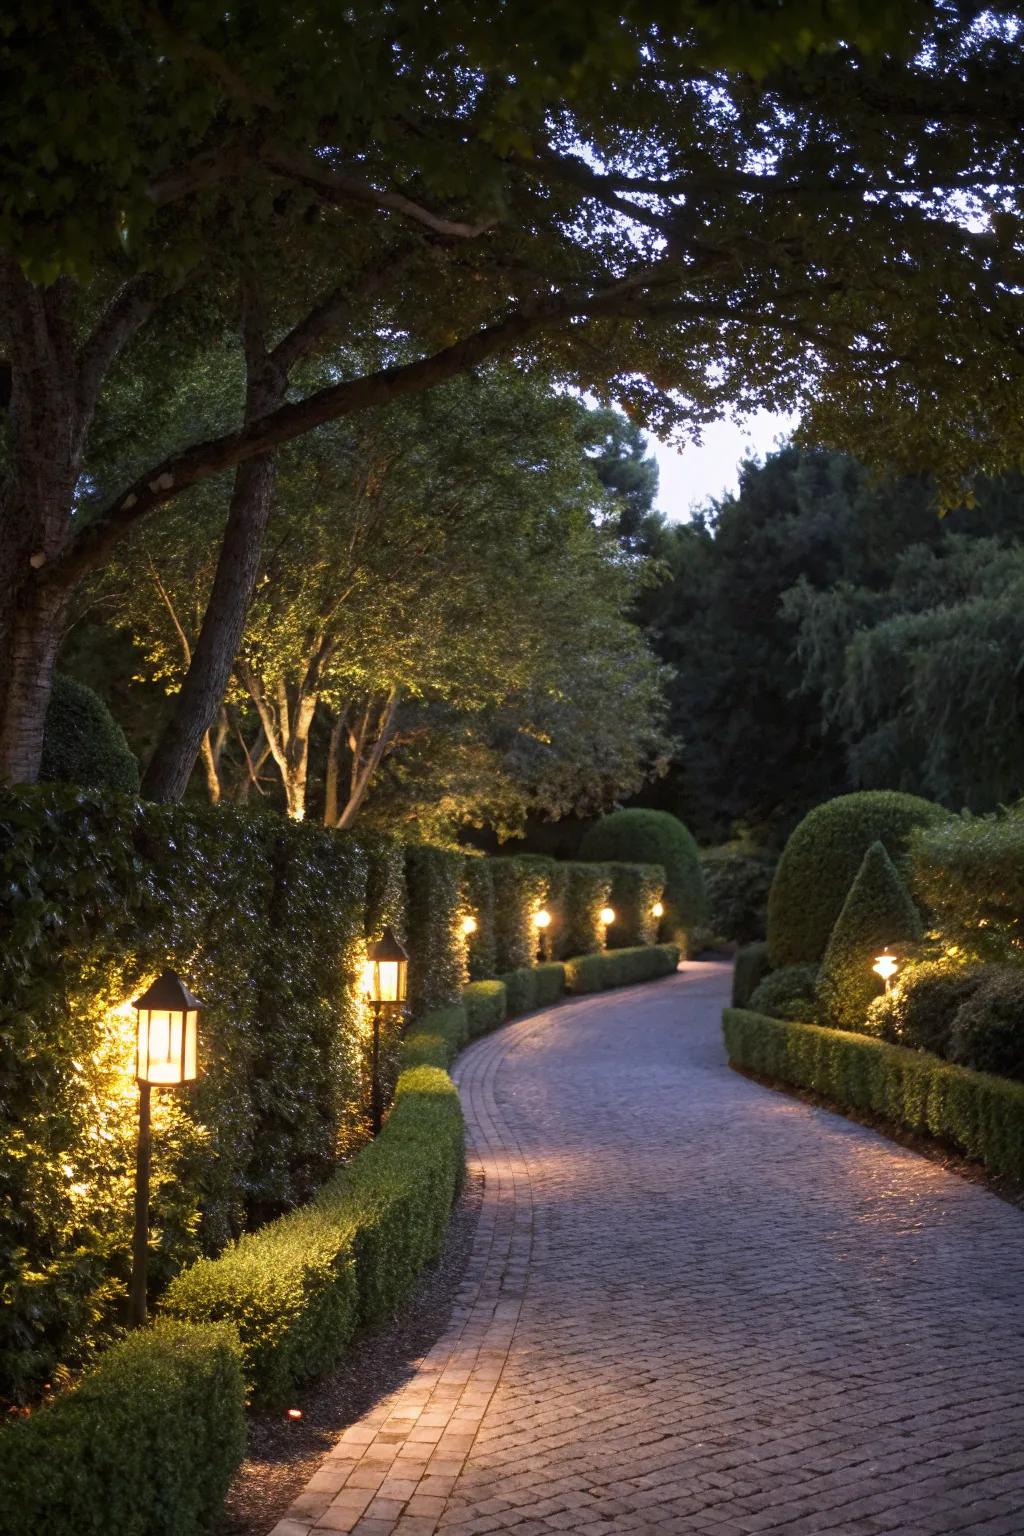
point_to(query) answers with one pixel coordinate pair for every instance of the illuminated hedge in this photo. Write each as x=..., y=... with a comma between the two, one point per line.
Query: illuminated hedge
x=635, y=891
x=520, y=890
x=478, y=903
x=656, y=837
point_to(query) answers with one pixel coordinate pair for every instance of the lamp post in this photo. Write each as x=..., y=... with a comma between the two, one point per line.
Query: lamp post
x=886, y=966
x=658, y=910
x=541, y=920
x=469, y=925
x=385, y=981
x=166, y=1047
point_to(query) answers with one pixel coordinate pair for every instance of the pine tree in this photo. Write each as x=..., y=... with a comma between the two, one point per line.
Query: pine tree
x=878, y=913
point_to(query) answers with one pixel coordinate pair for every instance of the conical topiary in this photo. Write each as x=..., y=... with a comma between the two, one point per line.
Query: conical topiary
x=877, y=914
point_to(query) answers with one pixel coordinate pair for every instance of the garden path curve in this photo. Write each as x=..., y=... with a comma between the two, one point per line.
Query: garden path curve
x=696, y=1306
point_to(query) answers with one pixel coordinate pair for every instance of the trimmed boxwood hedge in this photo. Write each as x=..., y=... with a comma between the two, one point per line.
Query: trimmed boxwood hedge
x=656, y=837
x=876, y=914
x=83, y=743
x=145, y=1445
x=749, y=970
x=297, y=1289
x=979, y=1115
x=821, y=859
x=485, y=1005
x=620, y=967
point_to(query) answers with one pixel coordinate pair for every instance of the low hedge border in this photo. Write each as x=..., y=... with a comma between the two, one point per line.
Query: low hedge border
x=146, y=1445
x=486, y=1003
x=298, y=1288
x=620, y=967
x=979, y=1115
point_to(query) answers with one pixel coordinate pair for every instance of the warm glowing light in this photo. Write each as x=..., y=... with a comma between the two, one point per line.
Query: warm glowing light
x=295, y=1413
x=542, y=919
x=166, y=1033
x=607, y=915
x=886, y=966
x=386, y=970
x=658, y=910
x=468, y=925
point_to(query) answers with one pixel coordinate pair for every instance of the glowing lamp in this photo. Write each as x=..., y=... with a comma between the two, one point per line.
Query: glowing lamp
x=886, y=966
x=468, y=925
x=385, y=974
x=607, y=915
x=166, y=1055
x=658, y=910
x=166, y=1036
x=542, y=919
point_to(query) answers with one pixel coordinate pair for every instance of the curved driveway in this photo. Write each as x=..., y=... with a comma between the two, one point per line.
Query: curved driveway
x=696, y=1306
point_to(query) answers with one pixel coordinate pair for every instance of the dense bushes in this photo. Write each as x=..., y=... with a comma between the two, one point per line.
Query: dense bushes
x=750, y=969
x=822, y=858
x=484, y=1002
x=737, y=885
x=969, y=872
x=588, y=891
x=876, y=914
x=981, y=1116
x=297, y=1289
x=145, y=1446
x=921, y=1009
x=788, y=993
x=435, y=904
x=620, y=967
x=478, y=904
x=988, y=1029
x=656, y=837
x=83, y=743
x=635, y=891
x=520, y=890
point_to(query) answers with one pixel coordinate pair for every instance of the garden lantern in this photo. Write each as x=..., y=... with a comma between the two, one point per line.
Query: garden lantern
x=468, y=926
x=607, y=915
x=542, y=919
x=166, y=1055
x=385, y=981
x=658, y=910
x=541, y=922
x=886, y=966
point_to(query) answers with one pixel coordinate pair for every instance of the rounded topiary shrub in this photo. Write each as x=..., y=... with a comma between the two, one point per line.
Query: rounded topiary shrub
x=641, y=836
x=83, y=743
x=988, y=1032
x=788, y=994
x=922, y=1007
x=877, y=914
x=821, y=860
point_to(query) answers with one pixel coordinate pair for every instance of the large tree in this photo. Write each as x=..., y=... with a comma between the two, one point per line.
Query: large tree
x=683, y=206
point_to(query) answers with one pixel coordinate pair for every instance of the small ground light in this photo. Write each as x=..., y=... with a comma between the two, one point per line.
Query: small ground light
x=886, y=966
x=607, y=915
x=542, y=919
x=295, y=1414
x=468, y=925
x=658, y=910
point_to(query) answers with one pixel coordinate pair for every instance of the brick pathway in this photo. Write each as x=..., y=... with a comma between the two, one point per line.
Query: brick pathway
x=696, y=1306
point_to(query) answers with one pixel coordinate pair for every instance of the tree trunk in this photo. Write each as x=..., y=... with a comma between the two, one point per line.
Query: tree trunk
x=213, y=658
x=331, y=780
x=32, y=644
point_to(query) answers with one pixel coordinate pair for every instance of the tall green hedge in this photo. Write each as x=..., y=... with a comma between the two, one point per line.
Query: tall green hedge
x=520, y=890
x=635, y=891
x=969, y=872
x=478, y=903
x=434, y=877
x=656, y=837
x=588, y=889
x=83, y=743
x=146, y=1445
x=981, y=1116
x=877, y=914
x=821, y=859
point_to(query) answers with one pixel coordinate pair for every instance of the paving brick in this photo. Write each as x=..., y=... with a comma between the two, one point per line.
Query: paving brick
x=696, y=1307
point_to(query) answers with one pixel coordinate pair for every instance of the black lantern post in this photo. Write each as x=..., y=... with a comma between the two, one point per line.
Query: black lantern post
x=385, y=982
x=167, y=1031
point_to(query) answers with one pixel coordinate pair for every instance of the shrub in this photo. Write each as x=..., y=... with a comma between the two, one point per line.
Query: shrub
x=750, y=969
x=737, y=886
x=620, y=967
x=478, y=903
x=588, y=889
x=919, y=1011
x=436, y=941
x=437, y=1039
x=988, y=1033
x=656, y=837
x=788, y=993
x=549, y=984
x=297, y=1289
x=821, y=860
x=981, y=1116
x=520, y=890
x=969, y=872
x=485, y=1006
x=635, y=890
x=146, y=1445
x=877, y=913
x=521, y=989
x=83, y=743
